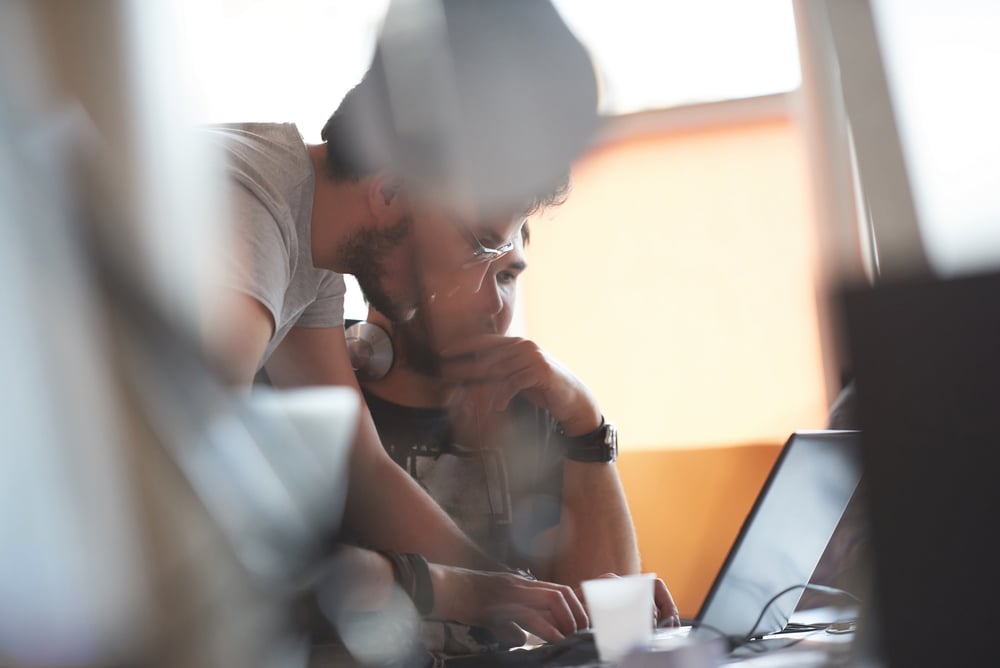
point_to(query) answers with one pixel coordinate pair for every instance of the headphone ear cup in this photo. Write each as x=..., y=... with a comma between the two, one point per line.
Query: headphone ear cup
x=370, y=350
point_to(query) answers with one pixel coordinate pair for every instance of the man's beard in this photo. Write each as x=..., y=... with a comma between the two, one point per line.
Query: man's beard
x=365, y=253
x=415, y=343
x=413, y=340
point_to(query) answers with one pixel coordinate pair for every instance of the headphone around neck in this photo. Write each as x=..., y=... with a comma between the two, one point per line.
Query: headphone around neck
x=370, y=350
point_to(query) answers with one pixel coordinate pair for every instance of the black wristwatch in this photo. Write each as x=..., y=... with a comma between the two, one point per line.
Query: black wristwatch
x=600, y=445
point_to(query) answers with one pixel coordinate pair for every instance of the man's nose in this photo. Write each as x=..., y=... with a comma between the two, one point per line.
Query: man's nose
x=486, y=290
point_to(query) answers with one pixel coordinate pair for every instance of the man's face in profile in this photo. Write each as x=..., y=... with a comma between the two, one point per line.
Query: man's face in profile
x=479, y=300
x=430, y=251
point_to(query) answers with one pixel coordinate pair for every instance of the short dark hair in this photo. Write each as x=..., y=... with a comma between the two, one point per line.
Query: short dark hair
x=556, y=195
x=503, y=113
x=358, y=134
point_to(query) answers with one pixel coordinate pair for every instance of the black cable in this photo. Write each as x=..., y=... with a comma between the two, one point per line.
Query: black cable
x=815, y=587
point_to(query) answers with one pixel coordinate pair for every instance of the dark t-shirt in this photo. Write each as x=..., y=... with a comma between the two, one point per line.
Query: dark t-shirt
x=502, y=496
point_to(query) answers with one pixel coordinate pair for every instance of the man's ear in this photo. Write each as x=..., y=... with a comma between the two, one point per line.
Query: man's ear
x=385, y=197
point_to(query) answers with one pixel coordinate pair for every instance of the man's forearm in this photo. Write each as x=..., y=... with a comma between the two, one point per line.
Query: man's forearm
x=597, y=535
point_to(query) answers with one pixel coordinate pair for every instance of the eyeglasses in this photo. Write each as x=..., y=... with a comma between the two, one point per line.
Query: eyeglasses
x=481, y=254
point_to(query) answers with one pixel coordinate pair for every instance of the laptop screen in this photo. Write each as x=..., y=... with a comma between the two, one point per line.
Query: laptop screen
x=785, y=534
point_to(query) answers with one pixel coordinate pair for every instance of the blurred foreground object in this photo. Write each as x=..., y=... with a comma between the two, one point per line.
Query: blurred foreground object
x=147, y=517
x=477, y=101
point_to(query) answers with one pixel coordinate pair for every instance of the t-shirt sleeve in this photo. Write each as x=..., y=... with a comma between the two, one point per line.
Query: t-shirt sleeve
x=328, y=308
x=256, y=254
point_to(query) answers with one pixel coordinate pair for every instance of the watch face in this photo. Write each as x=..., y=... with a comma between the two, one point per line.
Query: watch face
x=611, y=442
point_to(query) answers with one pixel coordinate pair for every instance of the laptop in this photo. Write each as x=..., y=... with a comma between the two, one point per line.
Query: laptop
x=783, y=537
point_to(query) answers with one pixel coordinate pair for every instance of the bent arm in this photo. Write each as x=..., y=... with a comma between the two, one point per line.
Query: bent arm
x=235, y=332
x=596, y=535
x=386, y=508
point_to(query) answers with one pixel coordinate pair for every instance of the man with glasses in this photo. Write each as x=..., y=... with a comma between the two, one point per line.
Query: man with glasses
x=468, y=118
x=506, y=439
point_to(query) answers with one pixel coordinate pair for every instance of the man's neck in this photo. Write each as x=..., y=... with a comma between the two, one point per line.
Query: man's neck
x=339, y=210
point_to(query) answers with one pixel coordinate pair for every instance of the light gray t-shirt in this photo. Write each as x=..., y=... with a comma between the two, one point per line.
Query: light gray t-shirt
x=270, y=203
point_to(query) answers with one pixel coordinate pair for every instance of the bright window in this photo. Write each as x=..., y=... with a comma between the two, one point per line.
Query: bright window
x=663, y=54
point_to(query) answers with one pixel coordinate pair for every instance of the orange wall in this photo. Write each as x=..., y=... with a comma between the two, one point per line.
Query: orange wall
x=688, y=505
x=678, y=283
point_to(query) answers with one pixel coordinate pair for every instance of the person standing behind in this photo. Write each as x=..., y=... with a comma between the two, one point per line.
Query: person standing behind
x=470, y=112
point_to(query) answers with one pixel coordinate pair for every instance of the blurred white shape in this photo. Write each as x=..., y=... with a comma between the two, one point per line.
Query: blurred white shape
x=108, y=221
x=650, y=54
x=662, y=54
x=69, y=576
x=71, y=580
x=294, y=486
x=525, y=536
x=172, y=177
x=941, y=60
x=316, y=50
x=385, y=638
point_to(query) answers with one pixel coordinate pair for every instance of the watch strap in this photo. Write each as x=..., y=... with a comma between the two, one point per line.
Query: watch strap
x=598, y=446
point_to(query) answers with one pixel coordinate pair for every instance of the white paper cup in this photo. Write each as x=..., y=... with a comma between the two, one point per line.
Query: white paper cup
x=621, y=613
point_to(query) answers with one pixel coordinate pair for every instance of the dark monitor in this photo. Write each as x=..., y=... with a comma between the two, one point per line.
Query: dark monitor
x=926, y=358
